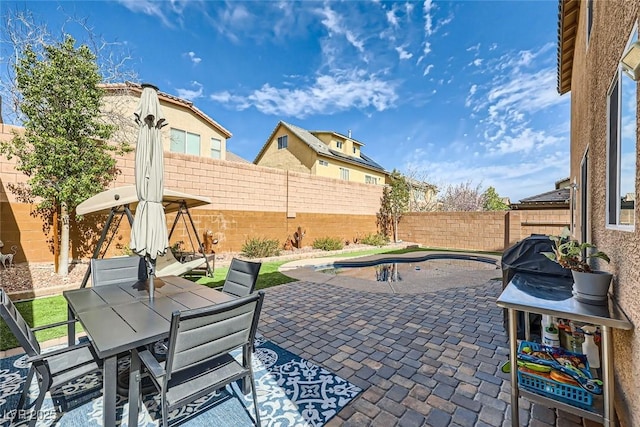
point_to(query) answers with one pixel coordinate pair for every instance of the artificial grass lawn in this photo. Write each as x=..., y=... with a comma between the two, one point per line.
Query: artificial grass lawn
x=44, y=311
x=39, y=312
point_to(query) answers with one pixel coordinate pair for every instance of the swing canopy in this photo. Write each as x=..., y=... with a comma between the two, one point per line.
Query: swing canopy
x=104, y=202
x=122, y=201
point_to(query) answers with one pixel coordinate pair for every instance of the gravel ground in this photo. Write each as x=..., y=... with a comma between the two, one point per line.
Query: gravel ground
x=23, y=277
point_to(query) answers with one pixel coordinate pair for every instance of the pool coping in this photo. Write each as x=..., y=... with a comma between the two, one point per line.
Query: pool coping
x=305, y=270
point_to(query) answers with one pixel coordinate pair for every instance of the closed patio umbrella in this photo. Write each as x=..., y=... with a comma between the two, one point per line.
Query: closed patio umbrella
x=149, y=229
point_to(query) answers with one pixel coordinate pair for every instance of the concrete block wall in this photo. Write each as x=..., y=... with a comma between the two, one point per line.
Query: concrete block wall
x=460, y=230
x=481, y=231
x=247, y=201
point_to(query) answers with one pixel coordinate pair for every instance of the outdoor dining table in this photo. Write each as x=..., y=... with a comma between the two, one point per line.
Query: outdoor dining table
x=121, y=318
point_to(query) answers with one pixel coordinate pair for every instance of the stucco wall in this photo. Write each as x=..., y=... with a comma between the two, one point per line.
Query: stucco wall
x=593, y=71
x=177, y=116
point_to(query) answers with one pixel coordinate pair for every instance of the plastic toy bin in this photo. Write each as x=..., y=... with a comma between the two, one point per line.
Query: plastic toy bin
x=567, y=393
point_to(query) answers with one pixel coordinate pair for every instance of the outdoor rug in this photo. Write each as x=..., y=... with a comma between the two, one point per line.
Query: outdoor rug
x=291, y=392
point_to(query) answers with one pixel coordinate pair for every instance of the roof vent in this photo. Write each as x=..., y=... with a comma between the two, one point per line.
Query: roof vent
x=349, y=133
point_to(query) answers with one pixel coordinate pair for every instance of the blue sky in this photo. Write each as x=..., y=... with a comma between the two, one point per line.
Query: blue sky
x=449, y=91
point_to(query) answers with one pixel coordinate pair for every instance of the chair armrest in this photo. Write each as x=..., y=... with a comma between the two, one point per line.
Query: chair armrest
x=152, y=365
x=53, y=325
x=44, y=356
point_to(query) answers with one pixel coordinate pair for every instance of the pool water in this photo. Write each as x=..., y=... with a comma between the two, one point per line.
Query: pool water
x=410, y=271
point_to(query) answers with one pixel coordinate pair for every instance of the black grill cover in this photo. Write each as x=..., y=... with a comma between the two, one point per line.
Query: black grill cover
x=526, y=257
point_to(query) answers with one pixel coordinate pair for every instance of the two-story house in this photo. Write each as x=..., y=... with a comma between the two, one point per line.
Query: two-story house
x=189, y=130
x=599, y=64
x=322, y=153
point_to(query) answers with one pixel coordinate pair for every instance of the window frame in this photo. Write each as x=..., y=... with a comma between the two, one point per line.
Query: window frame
x=370, y=179
x=344, y=174
x=184, y=141
x=283, y=142
x=339, y=144
x=212, y=150
x=589, y=26
x=614, y=144
x=322, y=162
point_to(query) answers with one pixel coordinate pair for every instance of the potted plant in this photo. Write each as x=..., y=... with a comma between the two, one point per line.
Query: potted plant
x=589, y=285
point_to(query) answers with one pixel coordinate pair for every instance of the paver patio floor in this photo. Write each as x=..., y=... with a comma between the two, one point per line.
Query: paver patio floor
x=428, y=359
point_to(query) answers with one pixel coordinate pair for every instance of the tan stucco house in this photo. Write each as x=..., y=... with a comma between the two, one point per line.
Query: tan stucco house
x=189, y=130
x=594, y=39
x=323, y=153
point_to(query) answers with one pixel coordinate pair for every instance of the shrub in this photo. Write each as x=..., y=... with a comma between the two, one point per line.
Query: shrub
x=327, y=244
x=257, y=247
x=375, y=240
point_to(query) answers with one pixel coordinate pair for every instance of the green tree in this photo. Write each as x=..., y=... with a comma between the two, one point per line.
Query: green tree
x=492, y=201
x=65, y=150
x=394, y=202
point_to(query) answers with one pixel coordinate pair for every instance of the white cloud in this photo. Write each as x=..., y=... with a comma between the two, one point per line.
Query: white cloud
x=477, y=62
x=474, y=48
x=195, y=59
x=402, y=53
x=525, y=141
x=333, y=22
x=392, y=18
x=427, y=6
x=191, y=94
x=427, y=70
x=147, y=7
x=520, y=177
x=327, y=94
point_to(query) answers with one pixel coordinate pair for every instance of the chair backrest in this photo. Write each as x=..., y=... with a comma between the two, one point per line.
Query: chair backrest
x=203, y=334
x=241, y=277
x=18, y=326
x=115, y=271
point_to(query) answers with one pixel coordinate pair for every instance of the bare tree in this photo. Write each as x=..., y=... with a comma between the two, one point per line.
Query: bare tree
x=462, y=197
x=22, y=29
x=422, y=192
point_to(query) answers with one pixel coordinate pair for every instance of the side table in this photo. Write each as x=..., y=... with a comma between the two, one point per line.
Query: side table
x=539, y=294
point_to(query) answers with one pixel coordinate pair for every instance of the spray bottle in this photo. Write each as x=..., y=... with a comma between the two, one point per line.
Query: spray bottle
x=550, y=334
x=589, y=346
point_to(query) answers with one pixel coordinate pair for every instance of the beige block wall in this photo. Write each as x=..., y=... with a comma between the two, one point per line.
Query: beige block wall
x=593, y=72
x=247, y=201
x=479, y=231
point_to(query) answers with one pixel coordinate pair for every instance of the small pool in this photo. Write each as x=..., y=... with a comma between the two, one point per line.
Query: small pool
x=414, y=270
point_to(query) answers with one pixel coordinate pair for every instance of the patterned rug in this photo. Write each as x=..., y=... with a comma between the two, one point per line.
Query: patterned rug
x=291, y=392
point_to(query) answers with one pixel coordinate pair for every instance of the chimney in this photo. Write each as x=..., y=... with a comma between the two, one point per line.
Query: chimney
x=349, y=133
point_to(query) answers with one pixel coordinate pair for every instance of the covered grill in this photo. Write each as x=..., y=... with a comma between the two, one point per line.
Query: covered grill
x=526, y=257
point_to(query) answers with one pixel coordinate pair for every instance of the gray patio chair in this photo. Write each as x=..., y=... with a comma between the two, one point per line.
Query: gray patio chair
x=115, y=271
x=241, y=277
x=198, y=360
x=52, y=369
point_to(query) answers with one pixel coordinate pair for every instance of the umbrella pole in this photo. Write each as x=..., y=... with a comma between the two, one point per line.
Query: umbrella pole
x=152, y=272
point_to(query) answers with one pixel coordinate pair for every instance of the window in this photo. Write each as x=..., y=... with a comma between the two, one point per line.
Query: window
x=354, y=150
x=344, y=174
x=185, y=142
x=283, y=142
x=339, y=144
x=621, y=149
x=216, y=148
x=323, y=163
x=368, y=179
x=589, y=19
